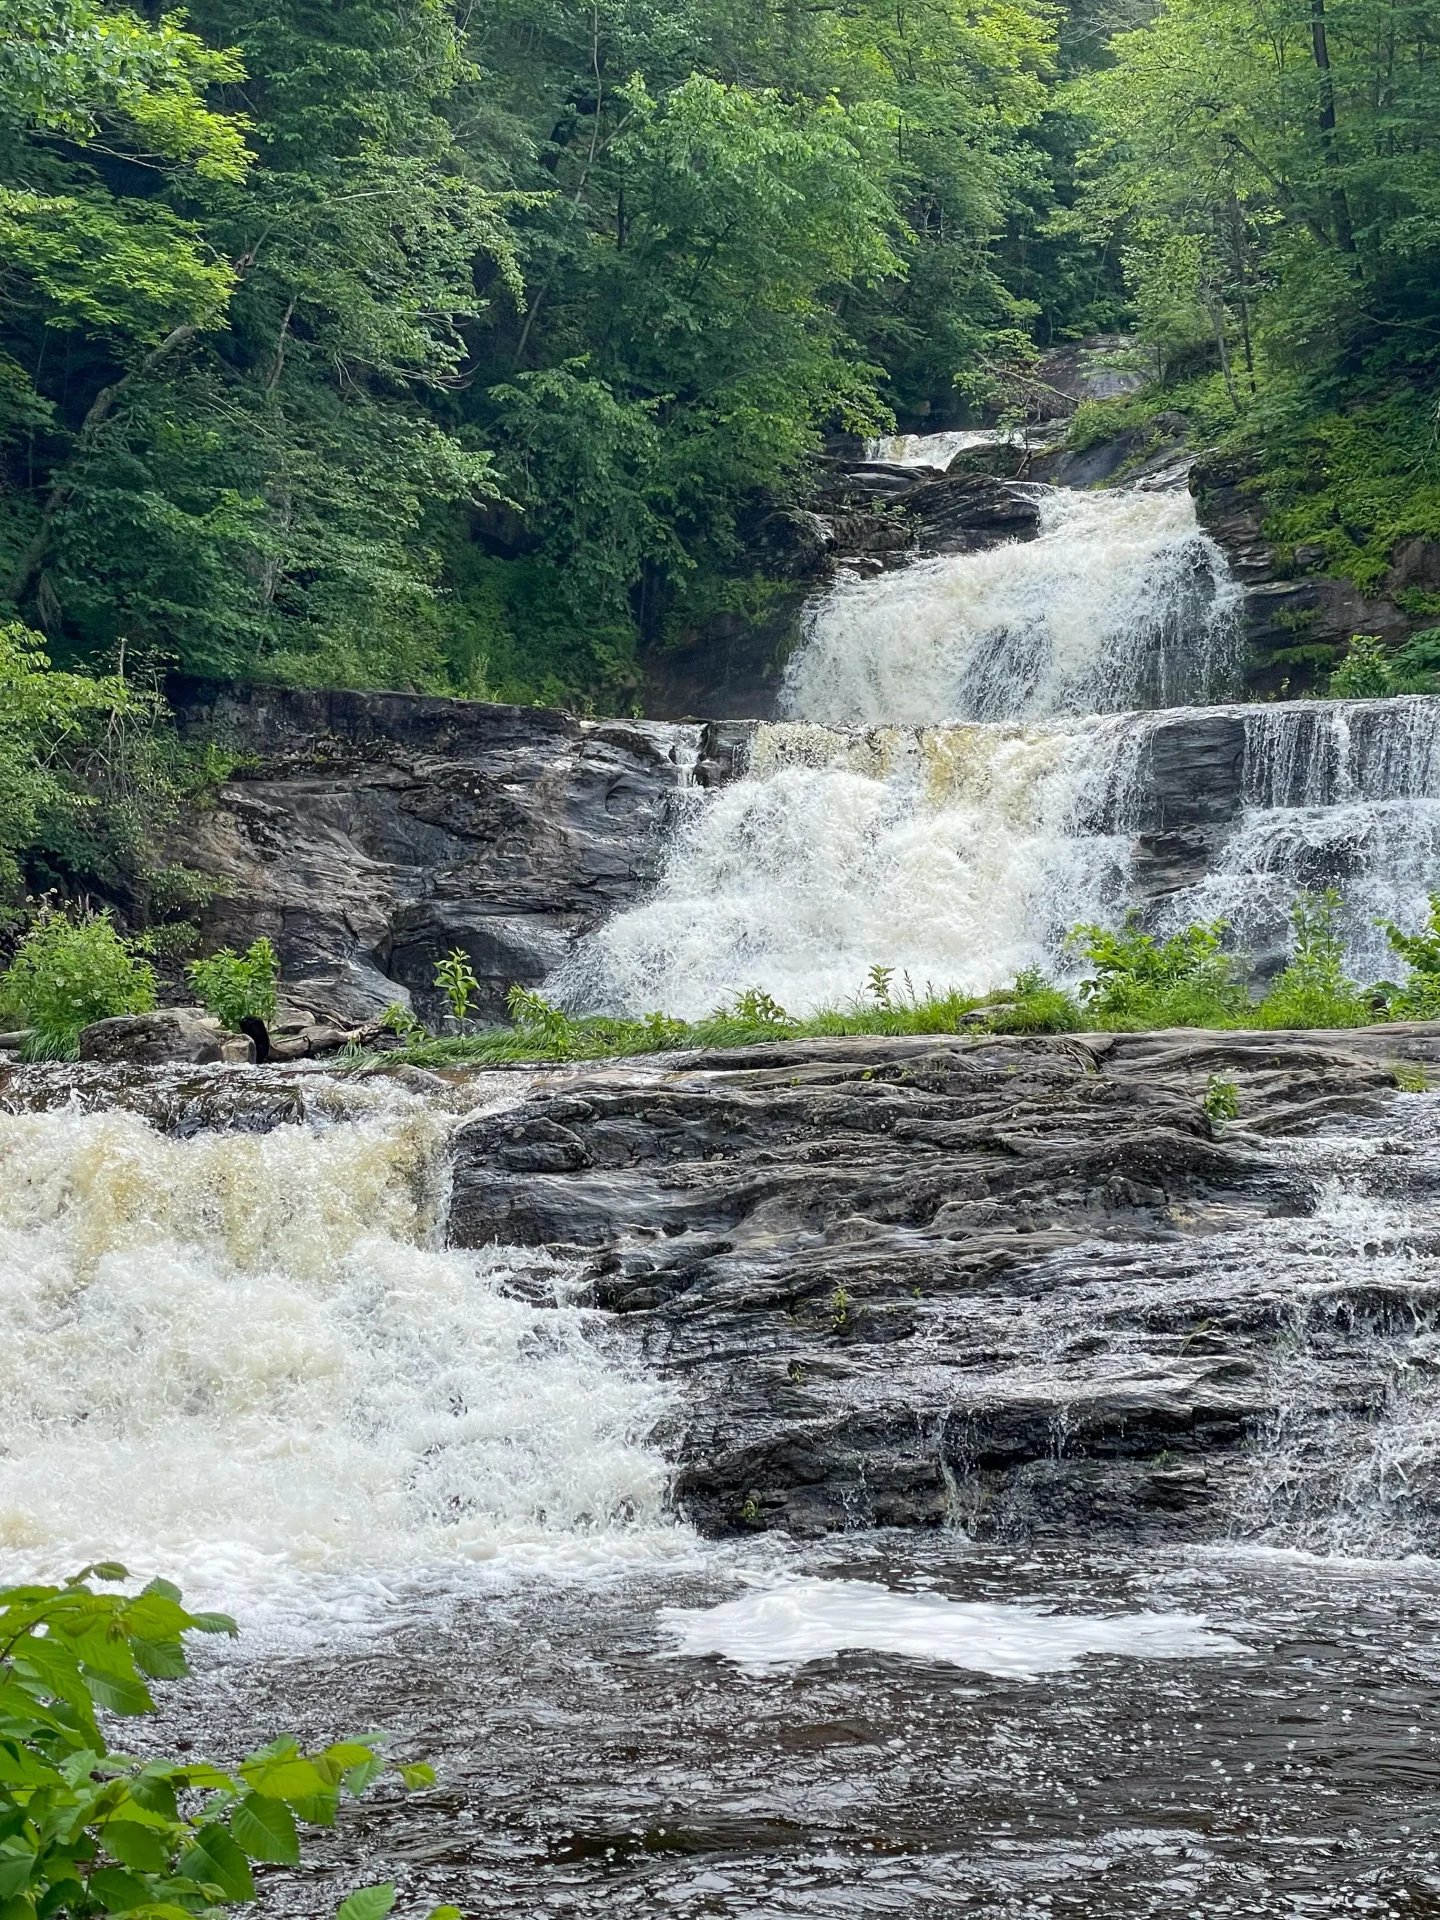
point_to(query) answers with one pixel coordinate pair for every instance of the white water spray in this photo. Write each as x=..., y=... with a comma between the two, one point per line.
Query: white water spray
x=1121, y=602
x=957, y=855
x=239, y=1357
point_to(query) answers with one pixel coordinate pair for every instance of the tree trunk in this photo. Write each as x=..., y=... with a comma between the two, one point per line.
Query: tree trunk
x=1339, y=204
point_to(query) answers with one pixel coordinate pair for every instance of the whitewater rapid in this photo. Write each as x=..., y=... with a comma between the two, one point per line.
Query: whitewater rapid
x=237, y=1359
x=1122, y=601
x=964, y=776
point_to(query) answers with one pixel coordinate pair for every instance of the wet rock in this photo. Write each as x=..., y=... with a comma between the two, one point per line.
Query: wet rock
x=372, y=833
x=862, y=1258
x=1289, y=605
x=172, y=1034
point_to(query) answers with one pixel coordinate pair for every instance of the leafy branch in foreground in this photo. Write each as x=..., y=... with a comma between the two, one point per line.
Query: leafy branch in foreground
x=85, y=1831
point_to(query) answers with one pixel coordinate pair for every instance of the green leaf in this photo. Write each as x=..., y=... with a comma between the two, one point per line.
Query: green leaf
x=117, y=1693
x=135, y=1845
x=319, y=1809
x=216, y=1858
x=357, y=1779
x=284, y=1778
x=107, y=1570
x=445, y=1913
x=367, y=1903
x=165, y=1589
x=61, y=1893
x=15, y=1873
x=214, y=1623
x=117, y=1890
x=417, y=1774
x=265, y=1828
x=160, y=1659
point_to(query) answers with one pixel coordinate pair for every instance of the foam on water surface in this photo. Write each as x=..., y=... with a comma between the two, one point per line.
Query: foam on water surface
x=249, y=1360
x=803, y=1620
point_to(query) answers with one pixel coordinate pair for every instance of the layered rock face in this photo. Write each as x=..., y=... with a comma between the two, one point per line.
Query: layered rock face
x=1291, y=603
x=368, y=834
x=896, y=1276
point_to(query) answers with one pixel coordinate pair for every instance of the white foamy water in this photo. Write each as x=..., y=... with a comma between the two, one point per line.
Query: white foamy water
x=930, y=449
x=1121, y=602
x=243, y=1359
x=811, y=1619
x=956, y=855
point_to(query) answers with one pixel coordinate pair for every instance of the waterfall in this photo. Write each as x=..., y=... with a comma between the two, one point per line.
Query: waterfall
x=957, y=855
x=238, y=1358
x=1121, y=602
x=930, y=449
x=1335, y=793
x=955, y=787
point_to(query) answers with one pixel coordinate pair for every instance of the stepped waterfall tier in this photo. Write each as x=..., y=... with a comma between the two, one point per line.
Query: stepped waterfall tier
x=918, y=1473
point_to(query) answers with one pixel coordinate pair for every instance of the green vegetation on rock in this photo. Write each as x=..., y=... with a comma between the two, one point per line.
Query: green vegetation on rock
x=69, y=970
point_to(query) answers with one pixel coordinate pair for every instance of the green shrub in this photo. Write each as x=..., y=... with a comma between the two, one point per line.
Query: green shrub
x=1419, y=997
x=67, y=972
x=1365, y=673
x=1139, y=981
x=85, y=1832
x=1314, y=990
x=1222, y=1099
x=237, y=986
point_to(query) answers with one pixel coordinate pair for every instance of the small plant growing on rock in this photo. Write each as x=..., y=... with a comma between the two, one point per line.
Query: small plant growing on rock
x=455, y=978
x=1419, y=997
x=757, y=1008
x=534, y=1014
x=237, y=986
x=1222, y=1099
x=1314, y=990
x=1035, y=1006
x=67, y=972
x=1410, y=1076
x=397, y=1018
x=878, y=985
x=1365, y=673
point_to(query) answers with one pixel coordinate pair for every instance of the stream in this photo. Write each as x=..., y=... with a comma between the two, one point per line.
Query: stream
x=433, y=1483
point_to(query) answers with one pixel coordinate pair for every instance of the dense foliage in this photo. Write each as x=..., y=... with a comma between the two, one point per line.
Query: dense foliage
x=68, y=971
x=237, y=986
x=86, y=1831
x=408, y=344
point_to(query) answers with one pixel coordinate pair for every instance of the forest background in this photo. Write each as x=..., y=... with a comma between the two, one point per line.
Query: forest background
x=462, y=348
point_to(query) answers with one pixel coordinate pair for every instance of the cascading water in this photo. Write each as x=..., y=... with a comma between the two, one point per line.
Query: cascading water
x=1121, y=602
x=241, y=1358
x=1335, y=793
x=955, y=791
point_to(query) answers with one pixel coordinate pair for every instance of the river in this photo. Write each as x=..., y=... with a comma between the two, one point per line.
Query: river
x=433, y=1483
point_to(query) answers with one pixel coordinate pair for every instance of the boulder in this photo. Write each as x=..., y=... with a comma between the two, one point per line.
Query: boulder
x=170, y=1034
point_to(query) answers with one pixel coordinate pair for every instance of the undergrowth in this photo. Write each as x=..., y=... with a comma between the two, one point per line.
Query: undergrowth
x=1137, y=982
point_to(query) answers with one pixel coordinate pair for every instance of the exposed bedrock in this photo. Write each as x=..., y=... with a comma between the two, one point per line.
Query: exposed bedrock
x=1289, y=602
x=904, y=1280
x=367, y=833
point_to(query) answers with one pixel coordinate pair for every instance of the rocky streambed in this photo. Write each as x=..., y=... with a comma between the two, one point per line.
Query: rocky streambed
x=1023, y=1287
x=1004, y=1337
